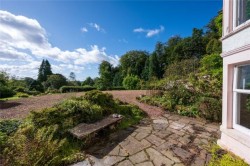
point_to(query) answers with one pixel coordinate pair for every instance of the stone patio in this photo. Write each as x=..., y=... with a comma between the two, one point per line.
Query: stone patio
x=168, y=140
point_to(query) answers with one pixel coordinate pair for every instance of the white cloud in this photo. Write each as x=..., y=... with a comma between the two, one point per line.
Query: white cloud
x=149, y=32
x=96, y=26
x=23, y=39
x=84, y=29
x=139, y=30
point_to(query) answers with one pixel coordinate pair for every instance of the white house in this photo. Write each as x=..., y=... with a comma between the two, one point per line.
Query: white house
x=235, y=128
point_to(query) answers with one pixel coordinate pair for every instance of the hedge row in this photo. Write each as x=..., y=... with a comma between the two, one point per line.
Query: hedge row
x=65, y=89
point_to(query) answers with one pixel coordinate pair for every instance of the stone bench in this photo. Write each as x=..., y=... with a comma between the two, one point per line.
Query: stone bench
x=83, y=130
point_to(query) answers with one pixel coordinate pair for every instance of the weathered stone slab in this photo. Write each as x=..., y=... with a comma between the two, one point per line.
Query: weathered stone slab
x=132, y=146
x=138, y=157
x=111, y=160
x=162, y=134
x=155, y=140
x=167, y=145
x=157, y=158
x=177, y=125
x=160, y=121
x=118, y=151
x=171, y=156
x=141, y=136
x=185, y=139
x=183, y=154
x=148, y=163
x=125, y=163
x=160, y=126
x=198, y=161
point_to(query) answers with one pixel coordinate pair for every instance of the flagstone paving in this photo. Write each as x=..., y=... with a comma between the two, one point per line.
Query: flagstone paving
x=167, y=140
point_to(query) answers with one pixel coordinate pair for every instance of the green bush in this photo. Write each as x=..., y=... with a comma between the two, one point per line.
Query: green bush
x=7, y=127
x=181, y=69
x=210, y=108
x=43, y=137
x=85, y=88
x=52, y=91
x=6, y=92
x=21, y=94
x=20, y=89
x=33, y=93
x=131, y=82
x=105, y=100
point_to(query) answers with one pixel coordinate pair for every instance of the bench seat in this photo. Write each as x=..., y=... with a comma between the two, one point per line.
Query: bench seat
x=82, y=130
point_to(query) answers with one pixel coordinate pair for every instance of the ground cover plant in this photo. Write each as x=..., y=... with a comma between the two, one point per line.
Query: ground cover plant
x=43, y=138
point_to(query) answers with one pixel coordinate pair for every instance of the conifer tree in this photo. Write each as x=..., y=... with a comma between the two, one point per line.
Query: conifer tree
x=44, y=71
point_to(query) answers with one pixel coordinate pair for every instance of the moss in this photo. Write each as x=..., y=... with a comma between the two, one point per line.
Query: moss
x=223, y=158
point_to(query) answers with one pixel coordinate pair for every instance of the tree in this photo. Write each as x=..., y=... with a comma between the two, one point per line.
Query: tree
x=88, y=81
x=198, y=47
x=72, y=76
x=145, y=72
x=133, y=63
x=214, y=46
x=161, y=56
x=131, y=82
x=3, y=78
x=44, y=71
x=55, y=81
x=105, y=71
x=154, y=68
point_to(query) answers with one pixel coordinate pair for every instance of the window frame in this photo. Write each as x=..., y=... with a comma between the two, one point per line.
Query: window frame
x=236, y=15
x=236, y=99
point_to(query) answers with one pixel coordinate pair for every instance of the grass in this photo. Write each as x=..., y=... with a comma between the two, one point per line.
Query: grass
x=10, y=98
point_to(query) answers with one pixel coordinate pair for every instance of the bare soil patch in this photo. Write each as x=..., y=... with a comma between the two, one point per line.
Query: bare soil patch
x=20, y=108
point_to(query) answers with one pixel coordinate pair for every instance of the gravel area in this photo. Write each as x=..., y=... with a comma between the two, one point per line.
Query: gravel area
x=20, y=108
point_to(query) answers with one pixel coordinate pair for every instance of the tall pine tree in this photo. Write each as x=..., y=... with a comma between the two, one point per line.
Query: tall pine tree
x=44, y=71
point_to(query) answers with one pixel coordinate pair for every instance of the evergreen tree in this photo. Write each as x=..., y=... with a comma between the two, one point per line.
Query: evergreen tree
x=154, y=67
x=72, y=76
x=44, y=71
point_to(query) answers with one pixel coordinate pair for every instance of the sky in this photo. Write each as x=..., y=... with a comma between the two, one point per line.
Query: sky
x=77, y=35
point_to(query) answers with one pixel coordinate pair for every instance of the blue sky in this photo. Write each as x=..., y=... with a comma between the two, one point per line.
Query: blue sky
x=77, y=35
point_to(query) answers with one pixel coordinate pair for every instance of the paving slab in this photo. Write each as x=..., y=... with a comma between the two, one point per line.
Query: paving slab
x=162, y=141
x=139, y=157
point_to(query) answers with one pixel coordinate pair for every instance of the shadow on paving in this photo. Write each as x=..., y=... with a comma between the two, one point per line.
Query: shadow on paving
x=109, y=143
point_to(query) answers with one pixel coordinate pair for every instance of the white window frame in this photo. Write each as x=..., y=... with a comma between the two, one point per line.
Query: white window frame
x=236, y=99
x=236, y=9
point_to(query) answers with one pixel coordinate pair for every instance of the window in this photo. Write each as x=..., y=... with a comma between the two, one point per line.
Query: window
x=243, y=11
x=242, y=98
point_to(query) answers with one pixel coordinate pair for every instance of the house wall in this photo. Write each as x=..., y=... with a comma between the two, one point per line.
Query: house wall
x=235, y=51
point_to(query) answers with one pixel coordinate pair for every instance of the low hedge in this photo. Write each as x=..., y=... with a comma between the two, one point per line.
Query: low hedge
x=118, y=88
x=65, y=89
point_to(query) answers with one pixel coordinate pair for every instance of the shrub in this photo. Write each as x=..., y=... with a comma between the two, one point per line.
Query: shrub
x=181, y=69
x=6, y=92
x=20, y=89
x=33, y=93
x=210, y=108
x=64, y=89
x=131, y=82
x=7, y=127
x=105, y=100
x=52, y=91
x=43, y=138
x=21, y=94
